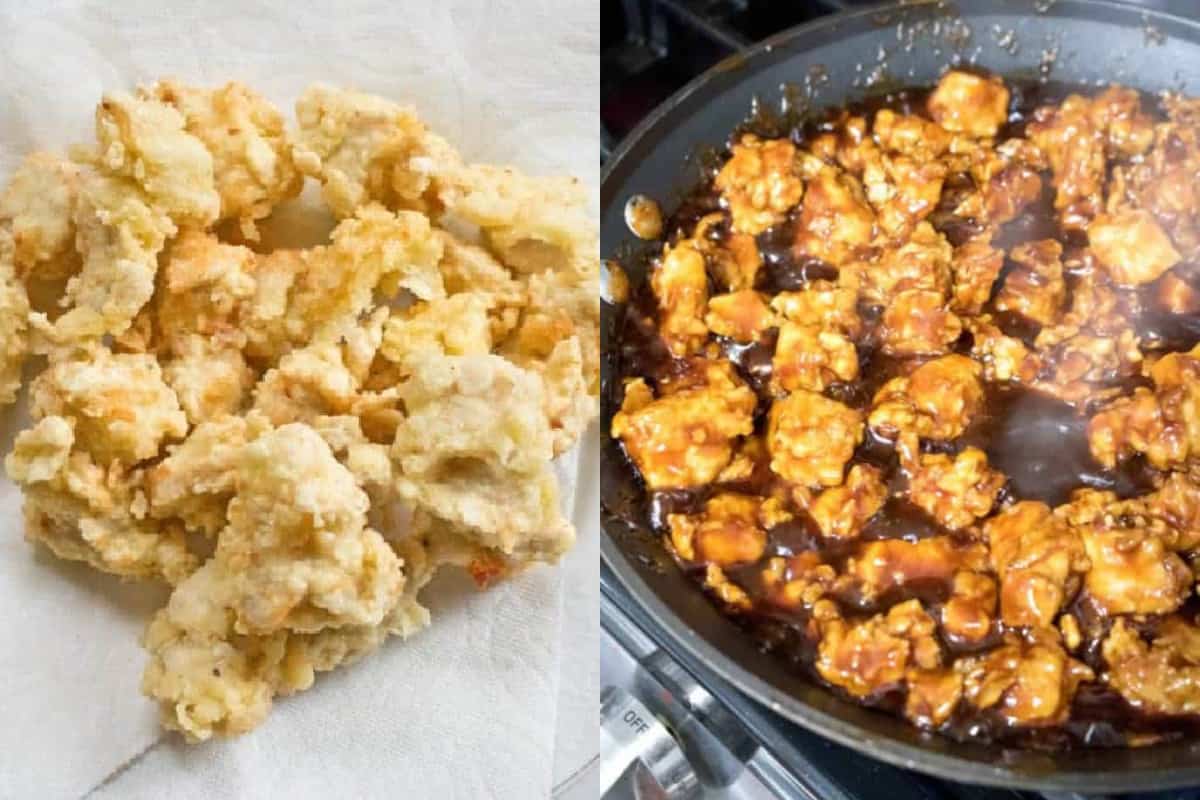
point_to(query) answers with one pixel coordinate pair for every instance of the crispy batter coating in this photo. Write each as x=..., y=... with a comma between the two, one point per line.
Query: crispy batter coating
x=39, y=202
x=475, y=449
x=245, y=135
x=85, y=512
x=811, y=438
x=144, y=140
x=760, y=183
x=118, y=404
x=685, y=438
x=14, y=322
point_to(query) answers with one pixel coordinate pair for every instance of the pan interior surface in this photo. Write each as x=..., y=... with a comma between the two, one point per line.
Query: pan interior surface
x=828, y=63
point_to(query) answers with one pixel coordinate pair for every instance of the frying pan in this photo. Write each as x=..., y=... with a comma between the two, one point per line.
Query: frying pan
x=1087, y=42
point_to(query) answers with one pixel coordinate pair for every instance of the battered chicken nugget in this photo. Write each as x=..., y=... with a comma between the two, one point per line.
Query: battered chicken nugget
x=14, y=322
x=120, y=406
x=250, y=147
x=202, y=289
x=300, y=292
x=209, y=381
x=227, y=640
x=469, y=268
x=195, y=482
x=119, y=236
x=144, y=140
x=365, y=148
x=475, y=450
x=39, y=203
x=562, y=304
x=85, y=512
x=455, y=326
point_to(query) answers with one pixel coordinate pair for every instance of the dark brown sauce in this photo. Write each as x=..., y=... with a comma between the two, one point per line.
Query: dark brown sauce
x=1038, y=442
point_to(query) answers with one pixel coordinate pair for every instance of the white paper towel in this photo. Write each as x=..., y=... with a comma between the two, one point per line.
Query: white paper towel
x=470, y=707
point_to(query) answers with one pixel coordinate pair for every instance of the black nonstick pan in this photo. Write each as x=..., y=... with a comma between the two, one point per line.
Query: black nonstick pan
x=1073, y=41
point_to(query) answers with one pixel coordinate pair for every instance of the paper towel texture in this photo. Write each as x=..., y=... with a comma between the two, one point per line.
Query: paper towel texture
x=467, y=708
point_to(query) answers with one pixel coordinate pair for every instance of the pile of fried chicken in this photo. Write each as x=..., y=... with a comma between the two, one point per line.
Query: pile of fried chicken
x=294, y=439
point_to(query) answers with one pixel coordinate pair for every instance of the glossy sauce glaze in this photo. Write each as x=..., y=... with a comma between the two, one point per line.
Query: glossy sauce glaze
x=1038, y=442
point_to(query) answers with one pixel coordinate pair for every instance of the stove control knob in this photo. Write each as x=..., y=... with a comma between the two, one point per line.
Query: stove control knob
x=631, y=736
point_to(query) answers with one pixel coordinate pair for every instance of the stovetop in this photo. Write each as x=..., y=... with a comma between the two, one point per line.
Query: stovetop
x=669, y=721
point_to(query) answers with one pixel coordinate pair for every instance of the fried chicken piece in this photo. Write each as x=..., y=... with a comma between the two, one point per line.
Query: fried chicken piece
x=734, y=262
x=909, y=135
x=1118, y=112
x=1135, y=424
x=809, y=358
x=39, y=203
x=932, y=696
x=1036, y=290
x=363, y=148
x=1177, y=503
x=1004, y=358
x=453, y=326
x=728, y=592
x=903, y=191
x=742, y=316
x=917, y=322
x=467, y=268
x=475, y=450
x=841, y=511
x=681, y=285
x=937, y=401
x=886, y=564
x=119, y=236
x=1074, y=145
x=967, y=103
x=870, y=657
x=822, y=304
x=811, y=438
x=144, y=140
x=1038, y=559
x=118, y=404
x=196, y=480
x=685, y=438
x=1131, y=246
x=976, y=266
x=729, y=531
x=1162, y=677
x=921, y=262
x=203, y=287
x=1163, y=181
x=209, y=382
x=14, y=322
x=759, y=183
x=836, y=221
x=1030, y=682
x=957, y=490
x=82, y=511
x=299, y=293
x=249, y=144
x=223, y=645
x=797, y=581
x=1132, y=571
x=967, y=615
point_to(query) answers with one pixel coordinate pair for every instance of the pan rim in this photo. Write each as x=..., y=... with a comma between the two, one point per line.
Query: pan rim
x=887, y=750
